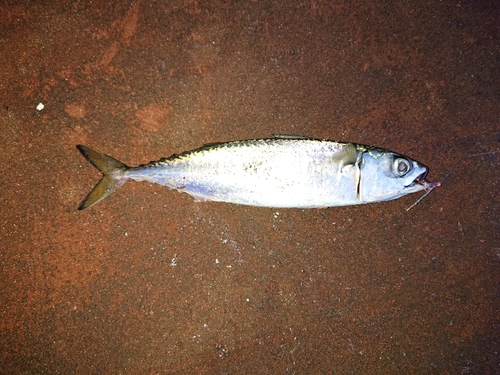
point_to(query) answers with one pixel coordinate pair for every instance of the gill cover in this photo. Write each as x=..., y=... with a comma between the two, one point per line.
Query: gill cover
x=386, y=175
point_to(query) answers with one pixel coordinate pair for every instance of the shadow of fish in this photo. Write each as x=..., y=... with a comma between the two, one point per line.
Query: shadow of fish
x=277, y=172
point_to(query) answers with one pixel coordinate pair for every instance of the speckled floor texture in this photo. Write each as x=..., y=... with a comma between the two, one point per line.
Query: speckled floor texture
x=150, y=282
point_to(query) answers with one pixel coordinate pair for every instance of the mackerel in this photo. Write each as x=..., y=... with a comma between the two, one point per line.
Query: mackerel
x=286, y=172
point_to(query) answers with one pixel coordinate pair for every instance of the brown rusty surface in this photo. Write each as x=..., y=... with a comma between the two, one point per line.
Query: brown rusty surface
x=149, y=282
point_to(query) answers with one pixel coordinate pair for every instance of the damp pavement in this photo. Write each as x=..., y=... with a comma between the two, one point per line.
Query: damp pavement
x=150, y=282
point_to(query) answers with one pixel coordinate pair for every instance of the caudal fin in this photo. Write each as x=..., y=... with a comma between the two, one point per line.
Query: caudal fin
x=113, y=172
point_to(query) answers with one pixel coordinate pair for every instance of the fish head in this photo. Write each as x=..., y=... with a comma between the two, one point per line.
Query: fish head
x=386, y=175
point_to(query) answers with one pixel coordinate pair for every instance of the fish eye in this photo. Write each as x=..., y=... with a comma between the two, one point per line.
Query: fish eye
x=401, y=166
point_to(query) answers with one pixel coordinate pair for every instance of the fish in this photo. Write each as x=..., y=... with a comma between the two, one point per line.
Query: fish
x=278, y=172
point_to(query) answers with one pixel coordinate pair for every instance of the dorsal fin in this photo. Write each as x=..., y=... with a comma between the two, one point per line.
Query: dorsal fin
x=289, y=136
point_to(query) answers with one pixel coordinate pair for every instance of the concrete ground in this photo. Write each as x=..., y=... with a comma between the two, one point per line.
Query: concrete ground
x=149, y=282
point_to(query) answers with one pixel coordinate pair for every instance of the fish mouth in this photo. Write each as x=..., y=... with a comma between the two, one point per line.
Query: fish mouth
x=427, y=185
x=419, y=180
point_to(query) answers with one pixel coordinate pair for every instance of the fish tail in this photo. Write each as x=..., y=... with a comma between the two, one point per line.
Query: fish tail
x=114, y=175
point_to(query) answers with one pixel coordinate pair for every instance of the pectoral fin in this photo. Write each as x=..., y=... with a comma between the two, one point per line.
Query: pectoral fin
x=346, y=156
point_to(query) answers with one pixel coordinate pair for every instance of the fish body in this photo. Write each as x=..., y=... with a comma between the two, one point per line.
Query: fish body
x=277, y=172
